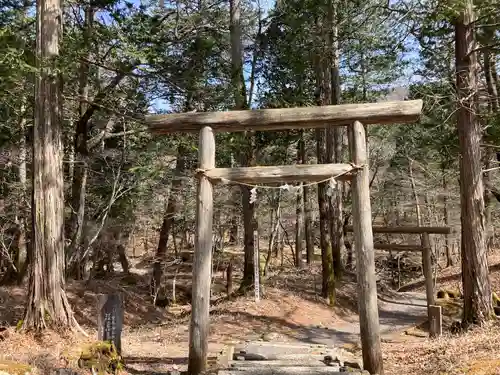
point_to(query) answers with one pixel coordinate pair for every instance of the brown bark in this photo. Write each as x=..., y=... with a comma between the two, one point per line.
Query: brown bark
x=275, y=230
x=308, y=218
x=446, y=217
x=247, y=156
x=23, y=247
x=229, y=278
x=74, y=228
x=328, y=280
x=168, y=220
x=299, y=224
x=47, y=304
x=415, y=194
x=122, y=256
x=335, y=139
x=476, y=284
x=249, y=222
x=19, y=252
x=323, y=97
x=347, y=244
x=233, y=231
x=494, y=105
x=494, y=71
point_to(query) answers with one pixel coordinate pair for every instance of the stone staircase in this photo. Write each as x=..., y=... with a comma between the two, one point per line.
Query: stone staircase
x=272, y=358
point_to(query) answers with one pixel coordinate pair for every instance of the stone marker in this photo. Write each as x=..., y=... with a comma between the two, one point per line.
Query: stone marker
x=435, y=321
x=110, y=319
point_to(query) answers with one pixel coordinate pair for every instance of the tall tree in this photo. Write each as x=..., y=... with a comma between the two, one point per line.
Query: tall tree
x=325, y=150
x=247, y=154
x=476, y=284
x=74, y=230
x=335, y=138
x=173, y=206
x=300, y=242
x=47, y=304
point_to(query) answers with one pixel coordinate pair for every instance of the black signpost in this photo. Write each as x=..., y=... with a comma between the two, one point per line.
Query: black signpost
x=110, y=319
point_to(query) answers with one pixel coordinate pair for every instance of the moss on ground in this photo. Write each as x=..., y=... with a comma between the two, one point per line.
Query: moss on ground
x=483, y=367
x=101, y=356
x=14, y=368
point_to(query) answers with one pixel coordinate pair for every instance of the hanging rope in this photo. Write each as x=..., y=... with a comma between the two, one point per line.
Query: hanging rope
x=332, y=180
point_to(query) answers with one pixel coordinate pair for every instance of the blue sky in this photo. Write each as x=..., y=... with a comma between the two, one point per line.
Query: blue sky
x=162, y=105
x=407, y=78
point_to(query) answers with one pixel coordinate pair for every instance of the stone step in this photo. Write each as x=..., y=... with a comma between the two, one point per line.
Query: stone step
x=281, y=344
x=267, y=349
x=292, y=370
x=253, y=356
x=307, y=362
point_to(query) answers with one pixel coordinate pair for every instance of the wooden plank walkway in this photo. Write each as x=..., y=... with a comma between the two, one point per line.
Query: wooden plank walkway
x=271, y=358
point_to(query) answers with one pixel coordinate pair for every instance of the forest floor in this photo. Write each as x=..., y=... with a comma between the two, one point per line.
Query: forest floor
x=155, y=339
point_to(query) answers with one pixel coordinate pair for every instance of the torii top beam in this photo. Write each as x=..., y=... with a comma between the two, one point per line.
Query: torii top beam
x=395, y=112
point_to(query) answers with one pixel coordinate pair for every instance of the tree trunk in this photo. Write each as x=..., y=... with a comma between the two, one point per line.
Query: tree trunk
x=74, y=229
x=348, y=245
x=248, y=153
x=47, y=304
x=476, y=284
x=122, y=256
x=415, y=194
x=233, y=230
x=308, y=223
x=248, y=223
x=235, y=199
x=449, y=255
x=275, y=230
x=17, y=270
x=494, y=105
x=299, y=224
x=494, y=73
x=23, y=259
x=169, y=219
x=308, y=210
x=335, y=141
x=322, y=98
x=328, y=284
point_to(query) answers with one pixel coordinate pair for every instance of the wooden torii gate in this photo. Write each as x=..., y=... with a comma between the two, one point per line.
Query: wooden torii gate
x=351, y=115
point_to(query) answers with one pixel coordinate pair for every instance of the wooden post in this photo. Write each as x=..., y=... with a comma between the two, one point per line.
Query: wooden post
x=202, y=264
x=427, y=268
x=365, y=257
x=256, y=265
x=435, y=321
x=226, y=356
x=110, y=319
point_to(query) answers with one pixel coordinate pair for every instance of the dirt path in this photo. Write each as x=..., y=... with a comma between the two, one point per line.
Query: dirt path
x=397, y=312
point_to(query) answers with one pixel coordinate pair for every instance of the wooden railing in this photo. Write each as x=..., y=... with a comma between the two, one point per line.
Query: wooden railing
x=424, y=247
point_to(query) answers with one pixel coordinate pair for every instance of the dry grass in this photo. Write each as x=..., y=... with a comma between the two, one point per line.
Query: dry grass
x=475, y=352
x=451, y=277
x=156, y=338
